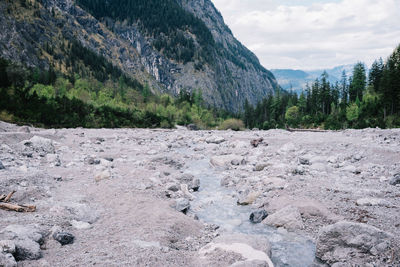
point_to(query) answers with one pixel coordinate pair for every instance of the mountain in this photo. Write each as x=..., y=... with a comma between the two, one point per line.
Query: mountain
x=170, y=45
x=297, y=80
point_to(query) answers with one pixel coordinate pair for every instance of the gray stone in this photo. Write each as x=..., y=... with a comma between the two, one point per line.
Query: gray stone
x=226, y=160
x=189, y=179
x=373, y=202
x=1, y=166
x=172, y=187
x=7, y=246
x=92, y=161
x=289, y=217
x=40, y=144
x=395, y=179
x=348, y=241
x=192, y=127
x=247, y=198
x=14, y=231
x=27, y=249
x=182, y=205
x=304, y=161
x=64, y=238
x=7, y=260
x=260, y=167
x=258, y=216
x=215, y=140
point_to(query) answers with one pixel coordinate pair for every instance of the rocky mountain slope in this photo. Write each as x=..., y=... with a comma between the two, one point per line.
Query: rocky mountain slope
x=196, y=52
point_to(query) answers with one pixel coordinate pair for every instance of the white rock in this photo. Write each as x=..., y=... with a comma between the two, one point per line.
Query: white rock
x=81, y=225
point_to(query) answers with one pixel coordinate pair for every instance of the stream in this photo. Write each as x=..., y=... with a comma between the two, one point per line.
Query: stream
x=215, y=204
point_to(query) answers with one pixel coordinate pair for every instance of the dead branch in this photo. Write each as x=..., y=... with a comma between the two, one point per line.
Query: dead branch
x=14, y=207
x=9, y=196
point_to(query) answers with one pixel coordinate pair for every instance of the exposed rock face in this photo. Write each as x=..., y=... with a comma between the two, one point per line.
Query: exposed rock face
x=234, y=76
x=348, y=242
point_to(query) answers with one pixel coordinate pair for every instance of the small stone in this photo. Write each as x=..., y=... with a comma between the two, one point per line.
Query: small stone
x=215, y=140
x=102, y=175
x=172, y=187
x=64, y=238
x=182, y=205
x=92, y=161
x=192, y=127
x=258, y=216
x=260, y=167
x=304, y=161
x=395, y=179
x=80, y=225
x=1, y=166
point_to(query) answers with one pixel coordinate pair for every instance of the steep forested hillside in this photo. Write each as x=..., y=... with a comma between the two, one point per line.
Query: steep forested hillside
x=172, y=46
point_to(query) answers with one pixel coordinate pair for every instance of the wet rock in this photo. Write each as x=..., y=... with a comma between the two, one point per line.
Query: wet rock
x=182, y=205
x=348, y=242
x=64, y=238
x=226, y=160
x=289, y=217
x=215, y=140
x=395, y=180
x=1, y=166
x=258, y=216
x=7, y=260
x=102, y=175
x=247, y=198
x=373, y=202
x=189, y=179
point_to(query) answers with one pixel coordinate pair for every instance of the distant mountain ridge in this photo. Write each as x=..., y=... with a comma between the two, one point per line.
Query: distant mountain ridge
x=296, y=80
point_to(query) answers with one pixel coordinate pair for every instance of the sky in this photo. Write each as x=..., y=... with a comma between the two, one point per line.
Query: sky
x=314, y=34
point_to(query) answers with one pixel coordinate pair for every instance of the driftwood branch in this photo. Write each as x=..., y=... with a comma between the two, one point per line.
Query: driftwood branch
x=4, y=205
x=8, y=197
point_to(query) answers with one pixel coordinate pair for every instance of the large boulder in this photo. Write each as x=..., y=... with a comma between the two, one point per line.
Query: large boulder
x=227, y=160
x=27, y=240
x=7, y=260
x=289, y=218
x=215, y=140
x=236, y=250
x=40, y=145
x=351, y=243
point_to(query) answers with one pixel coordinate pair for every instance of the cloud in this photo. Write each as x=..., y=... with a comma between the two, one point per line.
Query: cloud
x=314, y=34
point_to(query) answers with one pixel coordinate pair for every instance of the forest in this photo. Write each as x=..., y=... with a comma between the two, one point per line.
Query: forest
x=359, y=100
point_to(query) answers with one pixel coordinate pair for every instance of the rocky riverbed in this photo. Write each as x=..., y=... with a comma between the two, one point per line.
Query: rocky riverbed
x=142, y=197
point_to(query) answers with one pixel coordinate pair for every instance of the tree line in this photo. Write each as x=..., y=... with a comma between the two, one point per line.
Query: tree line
x=357, y=101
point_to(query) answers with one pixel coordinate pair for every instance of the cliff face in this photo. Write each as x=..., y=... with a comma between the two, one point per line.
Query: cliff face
x=228, y=76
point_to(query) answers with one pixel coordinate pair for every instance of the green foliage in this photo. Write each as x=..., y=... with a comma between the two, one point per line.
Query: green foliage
x=292, y=116
x=233, y=124
x=352, y=112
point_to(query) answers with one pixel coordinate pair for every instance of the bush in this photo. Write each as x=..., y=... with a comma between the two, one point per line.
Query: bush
x=233, y=124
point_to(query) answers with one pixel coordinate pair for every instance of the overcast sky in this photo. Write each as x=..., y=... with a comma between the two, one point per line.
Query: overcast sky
x=314, y=34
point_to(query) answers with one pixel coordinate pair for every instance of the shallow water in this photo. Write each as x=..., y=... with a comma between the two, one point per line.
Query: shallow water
x=215, y=204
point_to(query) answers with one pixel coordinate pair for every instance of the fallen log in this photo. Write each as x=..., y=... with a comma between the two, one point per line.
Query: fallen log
x=16, y=207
